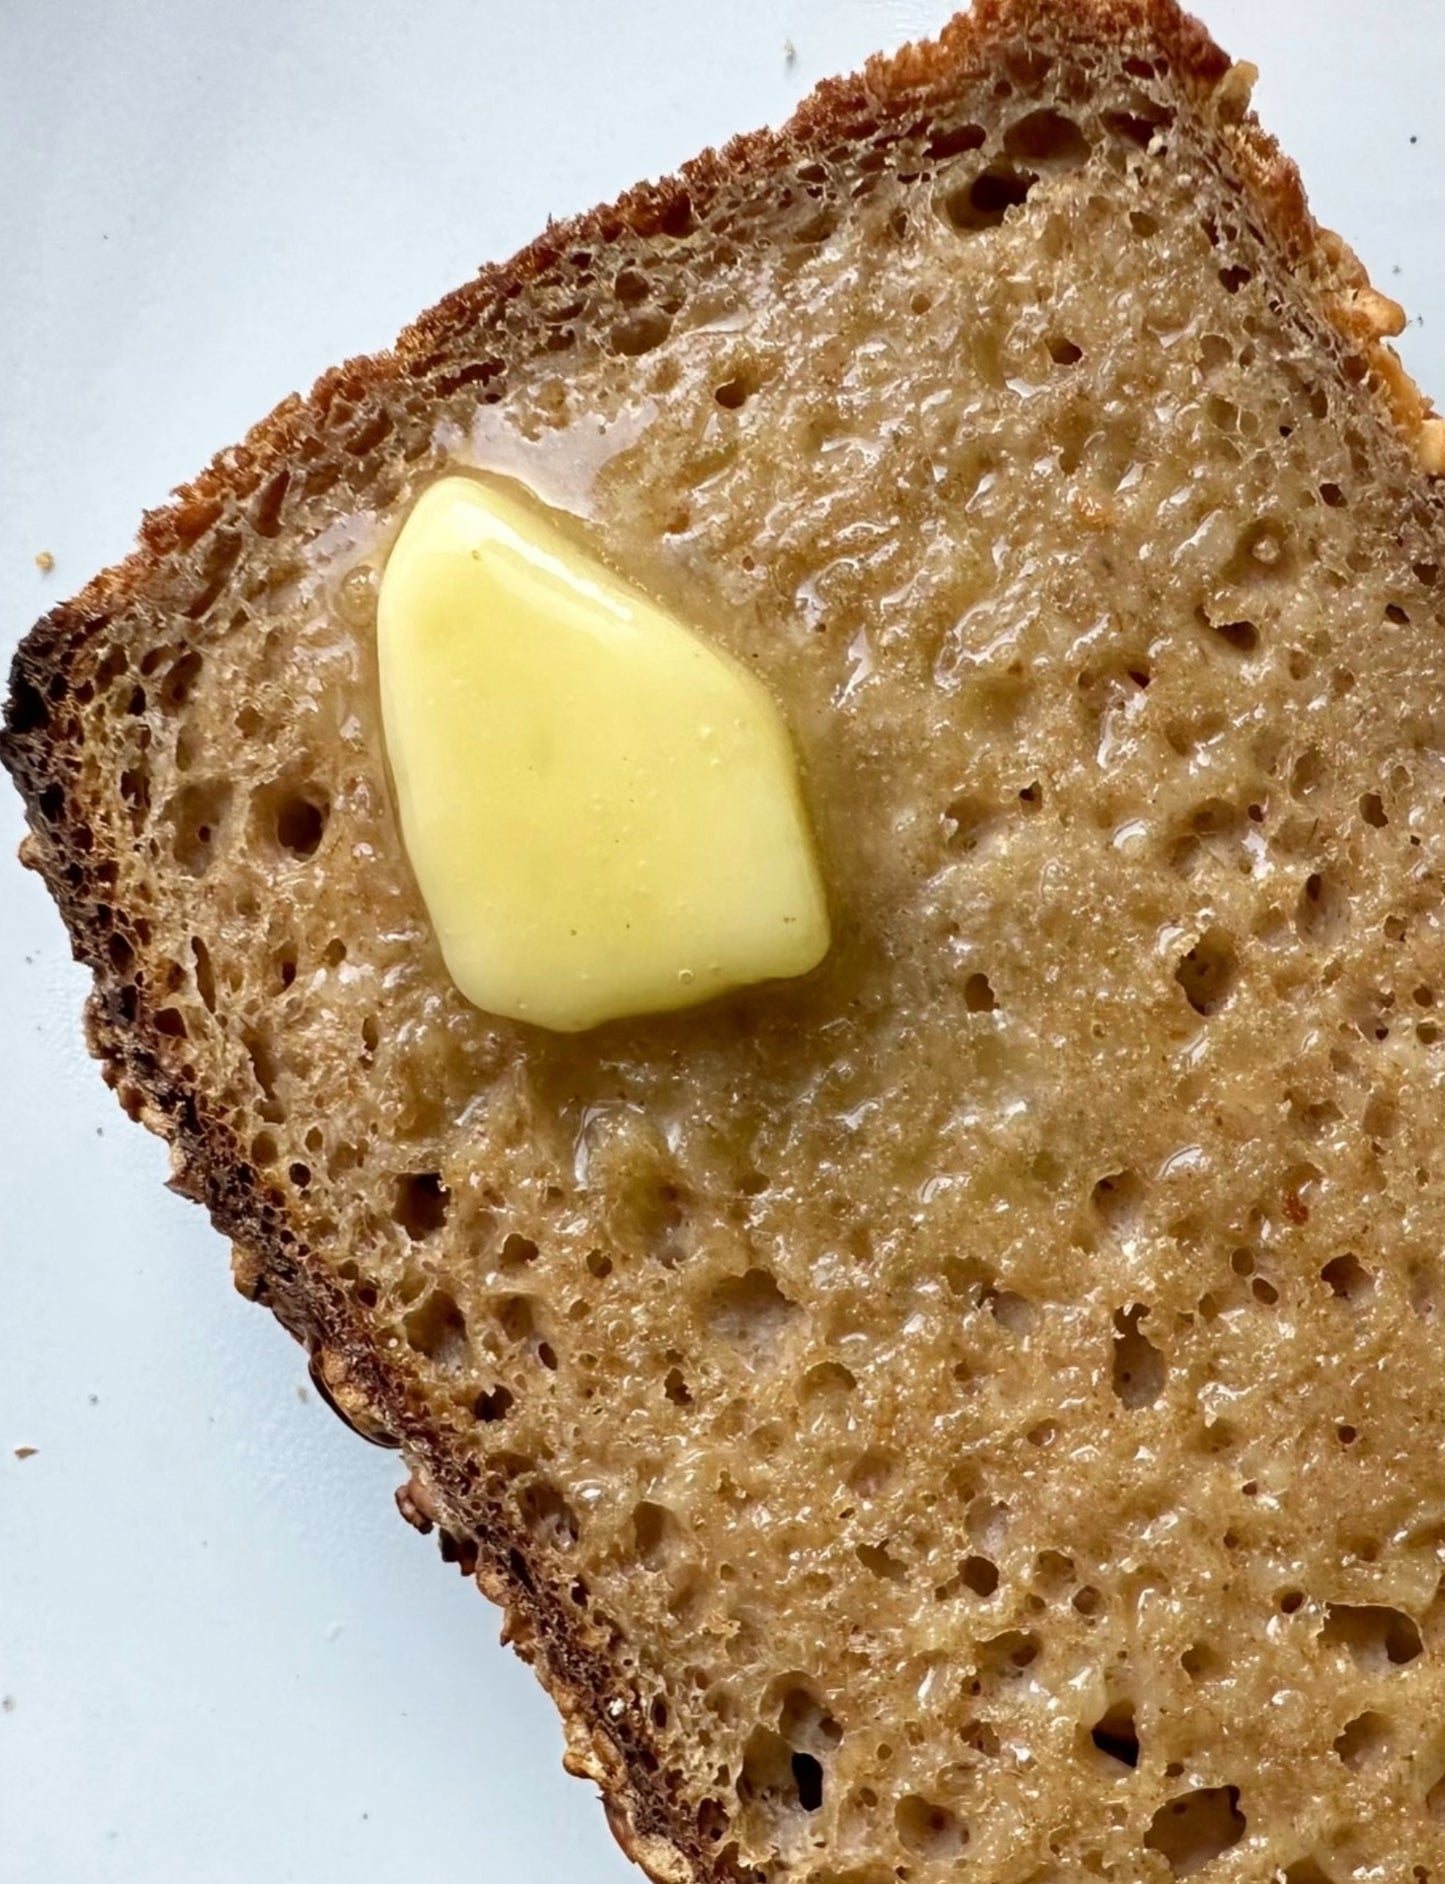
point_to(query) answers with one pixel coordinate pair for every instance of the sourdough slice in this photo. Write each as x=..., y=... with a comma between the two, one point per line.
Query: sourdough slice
x=976, y=1410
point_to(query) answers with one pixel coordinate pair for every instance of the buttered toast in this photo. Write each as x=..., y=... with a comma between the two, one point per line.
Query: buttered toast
x=972, y=1406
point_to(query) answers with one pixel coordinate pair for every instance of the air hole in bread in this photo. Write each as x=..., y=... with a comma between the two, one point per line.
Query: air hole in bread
x=205, y=974
x=1047, y=136
x=1006, y=1656
x=1063, y=352
x=267, y=504
x=1143, y=224
x=954, y=140
x=984, y=202
x=828, y=1380
x=769, y=1778
x=1194, y=1829
x=655, y=1531
x=491, y=1408
x=734, y=392
x=516, y=1316
x=809, y=1781
x=549, y=1519
x=987, y=1523
x=970, y=822
x=1308, y=773
x=1209, y=972
x=677, y=219
x=928, y=1829
x=1377, y=1636
x=300, y=820
x=1135, y=127
x=438, y=1330
x=979, y=1575
x=517, y=1252
x=1116, y=1735
x=1311, y=1871
x=978, y=995
x=1140, y=1372
x=1322, y=913
x=676, y=1388
x=640, y=332
x=221, y=555
x=1119, y=1201
x=1012, y=1311
x=878, y=1560
x=1372, y=811
x=751, y=1313
x=1363, y=1741
x=631, y=287
x=267, y=1071
x=180, y=680
x=1241, y=636
x=1201, y=1662
x=420, y=1203
x=980, y=1736
x=872, y=1473
x=197, y=815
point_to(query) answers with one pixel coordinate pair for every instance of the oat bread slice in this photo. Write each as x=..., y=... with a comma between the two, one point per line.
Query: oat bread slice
x=974, y=1411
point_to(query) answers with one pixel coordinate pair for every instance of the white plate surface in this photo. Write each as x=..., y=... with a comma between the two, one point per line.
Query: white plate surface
x=222, y=1657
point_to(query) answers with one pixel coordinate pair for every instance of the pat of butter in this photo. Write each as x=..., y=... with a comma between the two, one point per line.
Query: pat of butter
x=602, y=810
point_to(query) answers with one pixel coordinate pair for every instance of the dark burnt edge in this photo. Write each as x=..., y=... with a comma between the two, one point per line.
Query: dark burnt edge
x=209, y=1168
x=209, y=1165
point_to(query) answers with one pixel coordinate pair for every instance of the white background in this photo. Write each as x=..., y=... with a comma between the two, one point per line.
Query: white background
x=223, y=1659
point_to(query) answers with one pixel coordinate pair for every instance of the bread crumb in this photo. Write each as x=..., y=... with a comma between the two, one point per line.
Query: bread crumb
x=1236, y=88
x=7, y=1703
x=1380, y=314
x=25, y=1452
x=303, y=1395
x=1432, y=447
x=790, y=53
x=44, y=562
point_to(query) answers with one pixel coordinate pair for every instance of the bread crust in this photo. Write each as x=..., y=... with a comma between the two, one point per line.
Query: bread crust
x=607, y=1742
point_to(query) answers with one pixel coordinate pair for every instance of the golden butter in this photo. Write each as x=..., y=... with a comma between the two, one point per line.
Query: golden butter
x=601, y=809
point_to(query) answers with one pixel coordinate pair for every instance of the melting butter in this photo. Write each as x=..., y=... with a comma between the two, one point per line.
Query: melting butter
x=601, y=809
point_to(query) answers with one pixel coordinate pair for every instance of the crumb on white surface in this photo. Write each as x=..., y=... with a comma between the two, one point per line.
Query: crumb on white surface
x=44, y=562
x=790, y=53
x=25, y=1452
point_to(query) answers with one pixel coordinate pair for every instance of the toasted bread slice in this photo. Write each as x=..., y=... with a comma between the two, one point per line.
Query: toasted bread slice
x=976, y=1405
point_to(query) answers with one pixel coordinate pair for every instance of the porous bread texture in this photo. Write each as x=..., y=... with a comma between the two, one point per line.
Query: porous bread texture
x=976, y=1410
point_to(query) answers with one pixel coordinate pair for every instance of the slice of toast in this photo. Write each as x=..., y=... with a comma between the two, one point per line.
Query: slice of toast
x=975, y=1409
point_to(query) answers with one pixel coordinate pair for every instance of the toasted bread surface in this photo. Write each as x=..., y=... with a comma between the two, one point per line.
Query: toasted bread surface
x=976, y=1404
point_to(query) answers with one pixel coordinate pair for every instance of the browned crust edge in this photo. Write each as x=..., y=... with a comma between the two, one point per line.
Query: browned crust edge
x=607, y=1739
